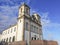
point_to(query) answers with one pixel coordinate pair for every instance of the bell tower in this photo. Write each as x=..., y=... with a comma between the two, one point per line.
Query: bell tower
x=24, y=10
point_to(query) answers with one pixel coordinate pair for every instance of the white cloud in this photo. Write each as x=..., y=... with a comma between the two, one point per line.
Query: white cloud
x=8, y=16
x=51, y=30
x=45, y=19
x=26, y=1
x=10, y=2
x=13, y=2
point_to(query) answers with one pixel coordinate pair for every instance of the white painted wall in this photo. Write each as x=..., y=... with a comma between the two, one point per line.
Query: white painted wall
x=11, y=34
x=20, y=30
x=8, y=36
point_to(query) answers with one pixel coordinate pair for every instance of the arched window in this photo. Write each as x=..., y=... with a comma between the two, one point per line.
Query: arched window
x=32, y=38
x=10, y=39
x=31, y=28
x=35, y=37
x=4, y=40
x=14, y=29
x=27, y=10
x=13, y=38
x=7, y=40
x=21, y=10
x=26, y=27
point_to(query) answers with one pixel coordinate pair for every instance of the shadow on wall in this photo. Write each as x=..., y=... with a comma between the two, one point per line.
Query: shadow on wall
x=13, y=43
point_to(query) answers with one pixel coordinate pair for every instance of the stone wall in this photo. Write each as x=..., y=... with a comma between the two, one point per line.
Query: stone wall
x=36, y=42
x=32, y=42
x=14, y=43
x=43, y=42
x=52, y=43
x=18, y=43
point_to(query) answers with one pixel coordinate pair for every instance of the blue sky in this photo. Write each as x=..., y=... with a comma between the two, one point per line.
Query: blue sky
x=49, y=10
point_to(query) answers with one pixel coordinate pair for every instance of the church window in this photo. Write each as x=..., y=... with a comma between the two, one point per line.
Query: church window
x=32, y=38
x=13, y=38
x=35, y=37
x=34, y=29
x=21, y=10
x=26, y=26
x=7, y=40
x=27, y=10
x=10, y=39
x=20, y=20
x=14, y=29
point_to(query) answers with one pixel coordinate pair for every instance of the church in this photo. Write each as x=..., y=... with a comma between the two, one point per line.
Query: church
x=27, y=28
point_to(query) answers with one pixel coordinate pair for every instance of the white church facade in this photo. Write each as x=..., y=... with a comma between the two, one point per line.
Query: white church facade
x=28, y=27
